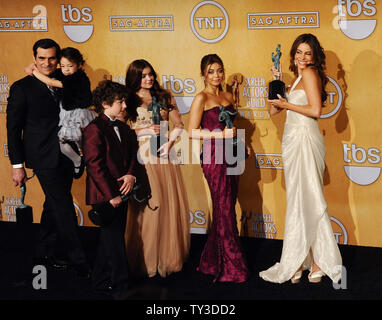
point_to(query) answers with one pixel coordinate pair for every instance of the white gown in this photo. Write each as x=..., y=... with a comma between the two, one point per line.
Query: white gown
x=307, y=223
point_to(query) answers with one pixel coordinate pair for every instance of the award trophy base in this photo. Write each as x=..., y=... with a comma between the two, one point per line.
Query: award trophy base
x=276, y=87
x=156, y=141
x=24, y=215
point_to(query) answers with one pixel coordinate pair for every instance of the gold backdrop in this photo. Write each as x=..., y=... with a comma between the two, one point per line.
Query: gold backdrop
x=173, y=36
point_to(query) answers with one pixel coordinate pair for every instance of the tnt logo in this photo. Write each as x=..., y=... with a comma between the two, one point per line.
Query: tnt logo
x=359, y=26
x=362, y=175
x=77, y=32
x=209, y=21
x=334, y=100
x=339, y=231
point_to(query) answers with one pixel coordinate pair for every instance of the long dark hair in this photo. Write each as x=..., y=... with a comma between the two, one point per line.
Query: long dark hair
x=318, y=59
x=133, y=85
x=207, y=60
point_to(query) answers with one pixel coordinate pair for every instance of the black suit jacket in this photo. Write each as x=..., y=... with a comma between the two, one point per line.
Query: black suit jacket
x=32, y=124
x=107, y=158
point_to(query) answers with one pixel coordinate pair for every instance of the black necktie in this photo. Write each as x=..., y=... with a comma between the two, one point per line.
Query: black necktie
x=53, y=92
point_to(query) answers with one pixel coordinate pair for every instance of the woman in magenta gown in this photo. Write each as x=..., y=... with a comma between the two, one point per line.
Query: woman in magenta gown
x=222, y=257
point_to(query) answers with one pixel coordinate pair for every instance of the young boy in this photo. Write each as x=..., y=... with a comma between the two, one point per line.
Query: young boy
x=110, y=149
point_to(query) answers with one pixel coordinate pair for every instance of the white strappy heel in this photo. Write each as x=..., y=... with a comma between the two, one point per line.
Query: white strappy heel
x=297, y=277
x=315, y=277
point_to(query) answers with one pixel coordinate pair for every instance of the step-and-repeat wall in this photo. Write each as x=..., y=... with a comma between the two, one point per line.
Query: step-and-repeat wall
x=173, y=36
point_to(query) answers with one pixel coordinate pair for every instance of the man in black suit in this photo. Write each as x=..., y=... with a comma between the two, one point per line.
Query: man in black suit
x=32, y=126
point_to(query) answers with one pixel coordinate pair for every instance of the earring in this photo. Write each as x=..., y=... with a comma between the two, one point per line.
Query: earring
x=295, y=62
x=204, y=78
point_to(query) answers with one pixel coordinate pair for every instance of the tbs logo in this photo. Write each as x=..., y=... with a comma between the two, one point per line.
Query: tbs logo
x=339, y=231
x=198, y=222
x=360, y=25
x=362, y=175
x=77, y=32
x=179, y=87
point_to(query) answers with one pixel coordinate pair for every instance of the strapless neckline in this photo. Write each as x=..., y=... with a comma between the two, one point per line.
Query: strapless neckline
x=230, y=105
x=210, y=117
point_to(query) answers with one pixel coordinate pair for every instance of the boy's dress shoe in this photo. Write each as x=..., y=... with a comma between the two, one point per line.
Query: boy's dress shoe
x=81, y=270
x=49, y=261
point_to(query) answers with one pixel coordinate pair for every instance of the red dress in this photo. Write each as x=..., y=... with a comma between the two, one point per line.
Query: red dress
x=223, y=255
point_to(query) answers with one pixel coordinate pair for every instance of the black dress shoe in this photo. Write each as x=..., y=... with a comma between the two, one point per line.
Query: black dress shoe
x=82, y=270
x=125, y=294
x=49, y=261
x=108, y=291
x=79, y=171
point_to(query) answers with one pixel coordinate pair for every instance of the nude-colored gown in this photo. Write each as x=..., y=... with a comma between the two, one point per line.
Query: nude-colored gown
x=158, y=241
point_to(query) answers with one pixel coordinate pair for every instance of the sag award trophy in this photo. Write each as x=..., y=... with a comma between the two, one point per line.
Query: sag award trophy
x=24, y=213
x=103, y=213
x=276, y=86
x=239, y=149
x=156, y=140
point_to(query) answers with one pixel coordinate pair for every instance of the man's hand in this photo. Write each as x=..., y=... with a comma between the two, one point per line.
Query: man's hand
x=116, y=202
x=19, y=176
x=276, y=73
x=128, y=183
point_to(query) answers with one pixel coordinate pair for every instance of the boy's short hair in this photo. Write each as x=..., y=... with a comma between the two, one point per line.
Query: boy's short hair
x=107, y=91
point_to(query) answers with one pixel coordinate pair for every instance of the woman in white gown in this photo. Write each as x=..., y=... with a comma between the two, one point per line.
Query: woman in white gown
x=309, y=242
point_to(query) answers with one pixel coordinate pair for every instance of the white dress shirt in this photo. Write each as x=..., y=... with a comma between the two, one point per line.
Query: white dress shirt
x=115, y=127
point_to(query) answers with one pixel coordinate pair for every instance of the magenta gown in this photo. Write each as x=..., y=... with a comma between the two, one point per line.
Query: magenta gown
x=222, y=256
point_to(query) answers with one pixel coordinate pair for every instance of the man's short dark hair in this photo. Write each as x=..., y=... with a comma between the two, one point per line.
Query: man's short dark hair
x=47, y=44
x=108, y=91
